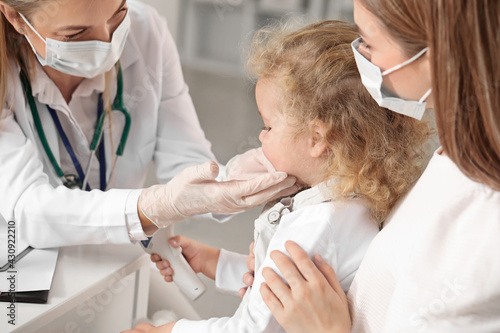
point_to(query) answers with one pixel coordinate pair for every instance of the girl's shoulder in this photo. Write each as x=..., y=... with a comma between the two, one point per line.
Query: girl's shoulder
x=349, y=218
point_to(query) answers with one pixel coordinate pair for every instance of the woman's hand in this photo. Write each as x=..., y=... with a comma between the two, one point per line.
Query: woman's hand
x=202, y=258
x=248, y=276
x=314, y=302
x=195, y=191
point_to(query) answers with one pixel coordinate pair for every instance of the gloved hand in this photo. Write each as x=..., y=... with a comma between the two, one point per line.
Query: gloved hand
x=248, y=165
x=195, y=191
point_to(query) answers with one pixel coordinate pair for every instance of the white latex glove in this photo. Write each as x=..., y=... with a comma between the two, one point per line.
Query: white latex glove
x=248, y=165
x=195, y=191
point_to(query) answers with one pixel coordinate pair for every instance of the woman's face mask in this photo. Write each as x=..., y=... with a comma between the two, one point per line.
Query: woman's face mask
x=372, y=78
x=84, y=58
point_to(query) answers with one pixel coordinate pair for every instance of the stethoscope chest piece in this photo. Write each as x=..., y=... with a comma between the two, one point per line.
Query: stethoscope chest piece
x=81, y=180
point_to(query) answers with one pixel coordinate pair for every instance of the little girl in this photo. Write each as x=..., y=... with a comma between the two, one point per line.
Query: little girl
x=354, y=159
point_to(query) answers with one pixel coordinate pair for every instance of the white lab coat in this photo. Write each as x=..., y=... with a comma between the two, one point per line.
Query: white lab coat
x=435, y=267
x=165, y=129
x=340, y=231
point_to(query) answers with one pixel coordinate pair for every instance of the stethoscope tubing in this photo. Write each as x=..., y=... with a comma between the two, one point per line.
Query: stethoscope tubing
x=117, y=105
x=67, y=144
x=96, y=140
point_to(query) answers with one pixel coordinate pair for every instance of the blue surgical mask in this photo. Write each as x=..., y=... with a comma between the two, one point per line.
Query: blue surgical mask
x=372, y=78
x=86, y=58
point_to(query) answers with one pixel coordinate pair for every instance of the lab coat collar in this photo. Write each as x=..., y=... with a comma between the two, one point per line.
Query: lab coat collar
x=46, y=91
x=311, y=196
x=131, y=51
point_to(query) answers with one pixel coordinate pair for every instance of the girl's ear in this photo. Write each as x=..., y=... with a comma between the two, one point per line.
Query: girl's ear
x=317, y=140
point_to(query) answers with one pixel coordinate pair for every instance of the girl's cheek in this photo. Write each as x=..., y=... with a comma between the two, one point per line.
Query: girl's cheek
x=267, y=150
x=271, y=158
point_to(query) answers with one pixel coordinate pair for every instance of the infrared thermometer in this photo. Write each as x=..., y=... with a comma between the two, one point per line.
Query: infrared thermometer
x=184, y=276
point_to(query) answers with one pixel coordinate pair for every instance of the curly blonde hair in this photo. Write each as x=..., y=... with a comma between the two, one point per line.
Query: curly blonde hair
x=373, y=153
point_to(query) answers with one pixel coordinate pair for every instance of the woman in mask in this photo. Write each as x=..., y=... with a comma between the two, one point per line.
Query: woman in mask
x=434, y=266
x=91, y=93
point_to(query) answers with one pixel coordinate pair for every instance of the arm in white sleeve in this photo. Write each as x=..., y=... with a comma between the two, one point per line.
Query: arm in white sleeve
x=134, y=225
x=49, y=215
x=253, y=315
x=231, y=267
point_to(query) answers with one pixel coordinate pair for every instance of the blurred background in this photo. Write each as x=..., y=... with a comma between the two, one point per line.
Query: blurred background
x=212, y=36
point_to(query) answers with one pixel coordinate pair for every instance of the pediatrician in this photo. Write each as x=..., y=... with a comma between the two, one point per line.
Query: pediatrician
x=435, y=266
x=91, y=93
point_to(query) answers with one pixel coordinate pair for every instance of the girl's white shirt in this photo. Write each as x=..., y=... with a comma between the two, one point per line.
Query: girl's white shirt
x=340, y=231
x=435, y=267
x=165, y=129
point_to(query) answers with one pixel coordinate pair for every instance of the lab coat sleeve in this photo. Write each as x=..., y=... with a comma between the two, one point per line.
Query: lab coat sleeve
x=134, y=225
x=310, y=230
x=230, y=270
x=48, y=215
x=180, y=139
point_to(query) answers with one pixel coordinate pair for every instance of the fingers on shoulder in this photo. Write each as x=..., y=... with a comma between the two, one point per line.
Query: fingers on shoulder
x=272, y=302
x=331, y=277
x=287, y=268
x=306, y=267
x=276, y=285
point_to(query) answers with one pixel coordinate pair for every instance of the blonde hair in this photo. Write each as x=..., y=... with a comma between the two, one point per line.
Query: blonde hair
x=374, y=153
x=465, y=53
x=14, y=46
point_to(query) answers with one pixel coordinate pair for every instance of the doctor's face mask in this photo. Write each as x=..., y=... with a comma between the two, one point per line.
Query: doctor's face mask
x=372, y=78
x=83, y=58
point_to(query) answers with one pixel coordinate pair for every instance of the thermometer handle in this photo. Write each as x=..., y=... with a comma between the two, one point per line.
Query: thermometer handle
x=184, y=276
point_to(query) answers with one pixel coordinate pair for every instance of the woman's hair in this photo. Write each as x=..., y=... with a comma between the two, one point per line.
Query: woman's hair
x=14, y=46
x=372, y=152
x=464, y=42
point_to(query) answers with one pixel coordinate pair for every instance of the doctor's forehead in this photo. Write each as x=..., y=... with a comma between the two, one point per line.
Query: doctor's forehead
x=58, y=14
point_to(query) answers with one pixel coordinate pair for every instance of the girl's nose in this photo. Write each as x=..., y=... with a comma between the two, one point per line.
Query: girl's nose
x=261, y=135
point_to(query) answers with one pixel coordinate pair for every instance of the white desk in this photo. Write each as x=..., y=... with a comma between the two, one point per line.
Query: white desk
x=100, y=288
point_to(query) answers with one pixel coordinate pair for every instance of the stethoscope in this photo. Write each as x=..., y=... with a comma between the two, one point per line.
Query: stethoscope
x=81, y=180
